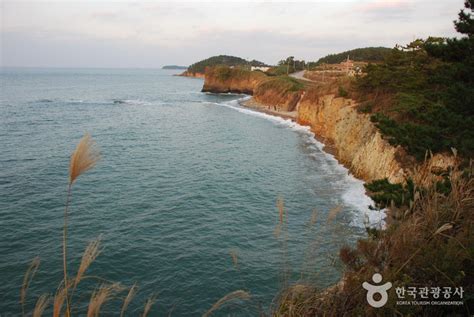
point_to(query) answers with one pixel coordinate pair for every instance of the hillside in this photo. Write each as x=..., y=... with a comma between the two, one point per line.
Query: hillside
x=367, y=54
x=174, y=67
x=227, y=60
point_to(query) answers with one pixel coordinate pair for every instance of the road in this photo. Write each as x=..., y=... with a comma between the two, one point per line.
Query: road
x=299, y=75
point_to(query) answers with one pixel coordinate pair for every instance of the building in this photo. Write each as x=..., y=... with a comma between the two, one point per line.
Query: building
x=260, y=68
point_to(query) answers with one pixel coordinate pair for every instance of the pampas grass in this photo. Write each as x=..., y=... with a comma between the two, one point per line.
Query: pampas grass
x=41, y=304
x=30, y=273
x=281, y=217
x=84, y=157
x=100, y=296
x=58, y=301
x=131, y=294
x=236, y=295
x=149, y=302
x=235, y=259
x=314, y=218
x=89, y=256
x=333, y=213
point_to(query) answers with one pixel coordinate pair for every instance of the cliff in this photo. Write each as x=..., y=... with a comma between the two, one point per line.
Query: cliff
x=351, y=135
x=355, y=140
x=191, y=74
x=280, y=93
x=222, y=79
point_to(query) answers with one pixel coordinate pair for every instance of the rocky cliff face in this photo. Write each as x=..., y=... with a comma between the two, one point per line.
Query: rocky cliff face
x=356, y=142
x=190, y=74
x=225, y=79
x=353, y=138
x=274, y=92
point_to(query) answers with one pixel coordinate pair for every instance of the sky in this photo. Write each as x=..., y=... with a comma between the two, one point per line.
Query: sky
x=150, y=34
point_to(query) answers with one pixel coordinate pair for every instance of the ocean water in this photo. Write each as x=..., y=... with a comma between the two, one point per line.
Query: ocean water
x=185, y=179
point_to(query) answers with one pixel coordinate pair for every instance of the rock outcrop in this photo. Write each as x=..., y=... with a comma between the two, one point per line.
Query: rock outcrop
x=355, y=140
x=190, y=74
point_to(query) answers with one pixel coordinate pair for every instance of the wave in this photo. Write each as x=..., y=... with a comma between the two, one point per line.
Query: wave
x=134, y=102
x=354, y=191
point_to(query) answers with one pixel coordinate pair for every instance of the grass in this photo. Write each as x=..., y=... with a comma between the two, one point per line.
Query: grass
x=283, y=84
x=236, y=295
x=84, y=158
x=429, y=243
x=224, y=73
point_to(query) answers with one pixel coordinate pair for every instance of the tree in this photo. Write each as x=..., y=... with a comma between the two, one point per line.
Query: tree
x=465, y=24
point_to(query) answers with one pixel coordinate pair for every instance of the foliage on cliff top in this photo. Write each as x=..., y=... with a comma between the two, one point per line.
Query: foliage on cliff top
x=366, y=54
x=224, y=73
x=422, y=96
x=200, y=66
x=283, y=84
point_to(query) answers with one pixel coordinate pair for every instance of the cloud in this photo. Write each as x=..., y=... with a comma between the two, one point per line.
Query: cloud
x=386, y=9
x=144, y=33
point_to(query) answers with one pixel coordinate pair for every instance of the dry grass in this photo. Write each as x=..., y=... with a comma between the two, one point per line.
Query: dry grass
x=84, y=157
x=281, y=217
x=58, y=301
x=30, y=273
x=89, y=256
x=333, y=213
x=41, y=305
x=101, y=296
x=236, y=295
x=235, y=259
x=148, y=304
x=431, y=245
x=314, y=218
x=131, y=294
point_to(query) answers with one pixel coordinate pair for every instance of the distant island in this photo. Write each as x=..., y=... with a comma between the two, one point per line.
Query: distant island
x=198, y=69
x=174, y=67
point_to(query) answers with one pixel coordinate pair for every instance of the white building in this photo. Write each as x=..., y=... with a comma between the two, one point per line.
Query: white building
x=261, y=68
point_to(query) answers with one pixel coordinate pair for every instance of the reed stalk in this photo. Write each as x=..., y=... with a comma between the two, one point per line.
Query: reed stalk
x=30, y=273
x=84, y=157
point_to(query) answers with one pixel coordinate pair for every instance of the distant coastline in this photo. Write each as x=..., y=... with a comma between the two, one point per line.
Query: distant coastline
x=174, y=67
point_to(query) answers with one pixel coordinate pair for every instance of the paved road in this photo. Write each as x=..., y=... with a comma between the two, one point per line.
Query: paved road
x=299, y=75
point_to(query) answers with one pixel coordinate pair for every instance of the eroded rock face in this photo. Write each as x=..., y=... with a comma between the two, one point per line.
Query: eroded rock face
x=353, y=138
x=276, y=100
x=189, y=74
x=356, y=141
x=220, y=80
x=225, y=80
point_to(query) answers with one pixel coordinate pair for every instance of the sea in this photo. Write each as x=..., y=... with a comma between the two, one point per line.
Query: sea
x=186, y=198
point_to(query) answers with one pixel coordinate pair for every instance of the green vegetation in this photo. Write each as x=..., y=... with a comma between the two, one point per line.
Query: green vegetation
x=174, y=67
x=367, y=54
x=424, y=93
x=224, y=73
x=200, y=66
x=342, y=92
x=282, y=84
x=385, y=194
x=287, y=66
x=429, y=243
x=421, y=97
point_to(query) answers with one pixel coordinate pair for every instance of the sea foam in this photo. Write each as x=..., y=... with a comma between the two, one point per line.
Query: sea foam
x=354, y=195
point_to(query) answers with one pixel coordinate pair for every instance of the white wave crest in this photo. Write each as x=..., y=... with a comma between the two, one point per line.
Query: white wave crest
x=354, y=191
